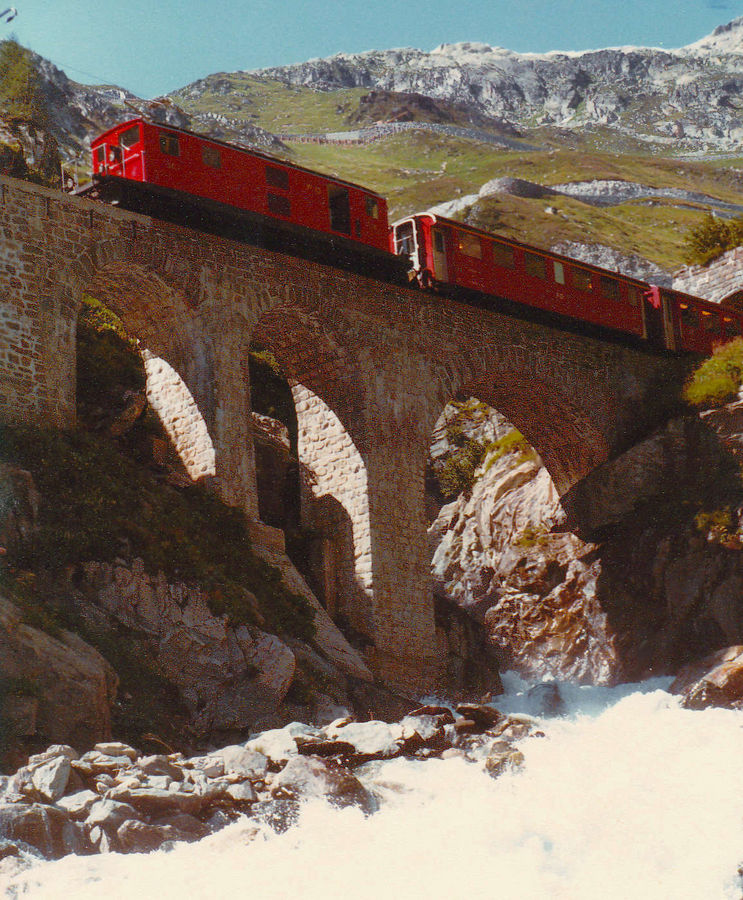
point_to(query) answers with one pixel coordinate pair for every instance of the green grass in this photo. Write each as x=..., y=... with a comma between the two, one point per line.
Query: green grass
x=100, y=504
x=718, y=379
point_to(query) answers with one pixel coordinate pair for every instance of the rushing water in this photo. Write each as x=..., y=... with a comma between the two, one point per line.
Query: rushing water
x=626, y=796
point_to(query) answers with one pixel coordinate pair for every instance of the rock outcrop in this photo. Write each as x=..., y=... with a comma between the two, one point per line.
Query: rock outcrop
x=52, y=688
x=654, y=581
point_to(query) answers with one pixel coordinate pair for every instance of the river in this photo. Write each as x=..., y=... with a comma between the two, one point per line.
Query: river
x=625, y=796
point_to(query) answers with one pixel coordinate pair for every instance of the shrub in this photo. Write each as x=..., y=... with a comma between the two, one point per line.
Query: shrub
x=458, y=472
x=718, y=379
x=21, y=94
x=711, y=238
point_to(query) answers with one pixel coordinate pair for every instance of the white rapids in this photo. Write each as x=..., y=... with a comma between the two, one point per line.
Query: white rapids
x=626, y=796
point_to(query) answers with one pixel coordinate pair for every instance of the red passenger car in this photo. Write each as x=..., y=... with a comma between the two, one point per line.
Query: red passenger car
x=454, y=257
x=175, y=165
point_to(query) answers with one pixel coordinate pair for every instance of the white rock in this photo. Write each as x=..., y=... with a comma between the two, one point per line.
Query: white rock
x=50, y=779
x=242, y=760
x=242, y=792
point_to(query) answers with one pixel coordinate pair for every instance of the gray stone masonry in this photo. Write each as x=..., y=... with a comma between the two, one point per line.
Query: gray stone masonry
x=372, y=366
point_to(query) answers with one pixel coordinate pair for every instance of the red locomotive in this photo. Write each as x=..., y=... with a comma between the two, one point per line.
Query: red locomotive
x=160, y=170
x=454, y=258
x=172, y=173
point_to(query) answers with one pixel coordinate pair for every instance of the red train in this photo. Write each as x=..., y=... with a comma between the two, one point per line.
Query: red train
x=455, y=258
x=167, y=171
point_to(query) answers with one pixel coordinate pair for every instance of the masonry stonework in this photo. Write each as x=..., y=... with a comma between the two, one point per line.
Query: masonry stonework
x=715, y=281
x=371, y=366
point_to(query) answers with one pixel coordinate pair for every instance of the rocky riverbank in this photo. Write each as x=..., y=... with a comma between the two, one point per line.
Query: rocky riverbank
x=113, y=798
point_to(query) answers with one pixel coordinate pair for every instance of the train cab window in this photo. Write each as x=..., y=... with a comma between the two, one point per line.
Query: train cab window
x=211, y=156
x=277, y=178
x=279, y=205
x=169, y=144
x=689, y=317
x=503, y=256
x=610, y=288
x=439, y=243
x=730, y=327
x=340, y=209
x=404, y=239
x=710, y=322
x=114, y=153
x=372, y=207
x=535, y=265
x=100, y=154
x=130, y=137
x=470, y=245
x=559, y=271
x=582, y=279
x=633, y=295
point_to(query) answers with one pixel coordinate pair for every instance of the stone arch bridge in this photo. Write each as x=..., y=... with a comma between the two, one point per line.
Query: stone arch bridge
x=371, y=364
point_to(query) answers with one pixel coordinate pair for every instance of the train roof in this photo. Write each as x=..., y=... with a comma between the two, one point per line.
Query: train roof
x=259, y=153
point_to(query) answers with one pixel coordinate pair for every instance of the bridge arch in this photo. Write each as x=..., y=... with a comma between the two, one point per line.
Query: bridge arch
x=331, y=439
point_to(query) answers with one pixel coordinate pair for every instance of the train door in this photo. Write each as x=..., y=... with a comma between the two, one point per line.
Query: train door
x=130, y=149
x=406, y=243
x=438, y=251
x=652, y=317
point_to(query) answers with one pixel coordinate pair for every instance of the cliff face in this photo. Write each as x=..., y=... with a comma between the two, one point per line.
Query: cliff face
x=654, y=581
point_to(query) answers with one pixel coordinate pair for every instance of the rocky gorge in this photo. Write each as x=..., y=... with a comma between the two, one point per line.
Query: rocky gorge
x=155, y=682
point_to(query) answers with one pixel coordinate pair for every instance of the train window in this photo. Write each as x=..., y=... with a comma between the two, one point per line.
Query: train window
x=503, y=256
x=169, y=144
x=582, y=279
x=470, y=245
x=372, y=207
x=100, y=153
x=114, y=153
x=559, y=270
x=404, y=240
x=278, y=178
x=535, y=265
x=340, y=209
x=211, y=156
x=278, y=205
x=710, y=322
x=633, y=295
x=610, y=288
x=439, y=244
x=689, y=317
x=730, y=327
x=130, y=137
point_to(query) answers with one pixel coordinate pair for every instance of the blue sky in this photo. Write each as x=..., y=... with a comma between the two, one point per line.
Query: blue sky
x=154, y=46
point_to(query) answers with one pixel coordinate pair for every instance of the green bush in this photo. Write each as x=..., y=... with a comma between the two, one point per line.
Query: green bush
x=711, y=238
x=458, y=472
x=21, y=94
x=718, y=379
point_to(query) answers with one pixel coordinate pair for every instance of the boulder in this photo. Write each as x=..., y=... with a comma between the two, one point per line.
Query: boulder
x=73, y=684
x=50, y=778
x=241, y=760
x=717, y=680
x=502, y=758
x=43, y=827
x=309, y=776
x=109, y=814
